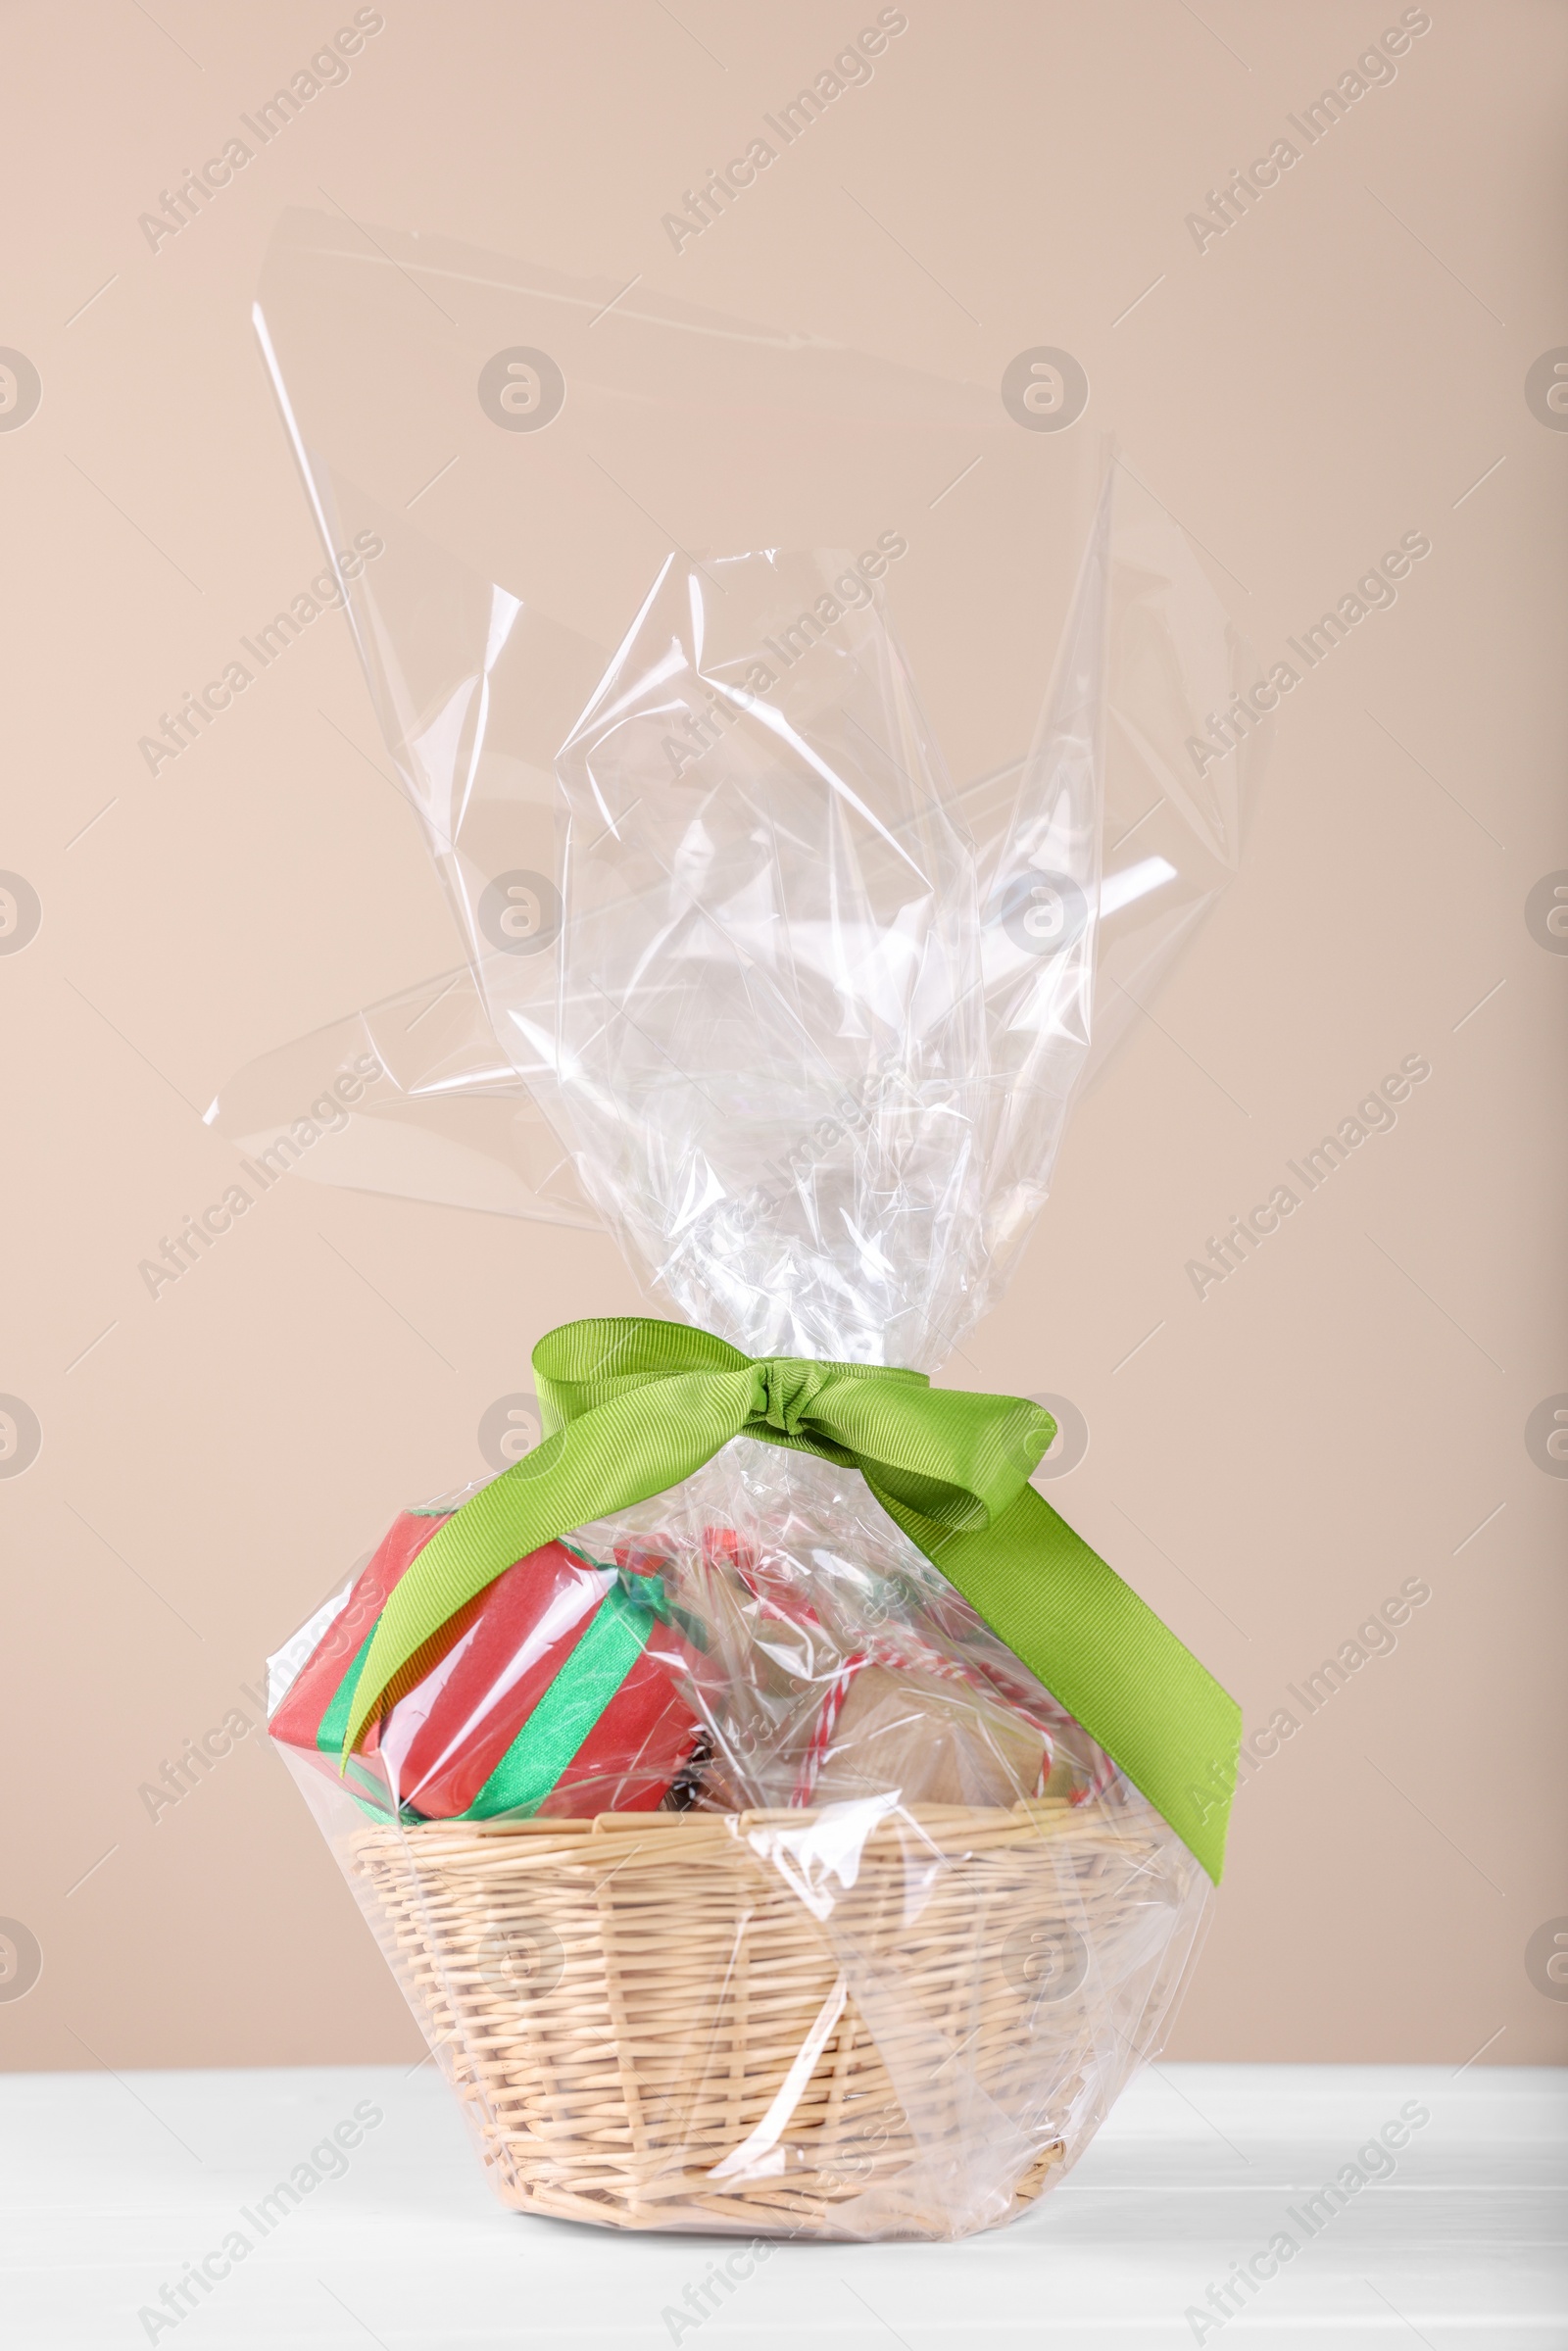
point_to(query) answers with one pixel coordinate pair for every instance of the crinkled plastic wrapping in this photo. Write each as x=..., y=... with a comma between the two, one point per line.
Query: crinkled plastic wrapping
x=801, y=867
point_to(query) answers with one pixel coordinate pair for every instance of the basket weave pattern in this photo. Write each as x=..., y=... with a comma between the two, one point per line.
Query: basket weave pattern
x=677, y=2019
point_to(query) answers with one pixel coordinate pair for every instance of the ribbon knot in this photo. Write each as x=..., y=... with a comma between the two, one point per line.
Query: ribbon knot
x=634, y=1406
x=784, y=1388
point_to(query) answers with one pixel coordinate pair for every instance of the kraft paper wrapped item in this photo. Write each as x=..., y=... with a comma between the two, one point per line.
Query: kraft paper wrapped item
x=779, y=1818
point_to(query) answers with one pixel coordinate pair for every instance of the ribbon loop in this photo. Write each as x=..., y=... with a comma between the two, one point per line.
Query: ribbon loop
x=635, y=1405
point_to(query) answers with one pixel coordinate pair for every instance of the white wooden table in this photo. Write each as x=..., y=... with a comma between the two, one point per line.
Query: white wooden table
x=111, y=2187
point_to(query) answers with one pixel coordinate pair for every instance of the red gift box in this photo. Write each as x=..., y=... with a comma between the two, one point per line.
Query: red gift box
x=551, y=1690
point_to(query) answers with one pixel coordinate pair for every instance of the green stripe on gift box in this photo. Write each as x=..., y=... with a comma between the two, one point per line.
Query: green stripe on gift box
x=335, y=1721
x=566, y=1713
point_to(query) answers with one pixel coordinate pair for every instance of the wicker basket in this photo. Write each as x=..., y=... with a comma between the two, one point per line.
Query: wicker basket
x=659, y=2020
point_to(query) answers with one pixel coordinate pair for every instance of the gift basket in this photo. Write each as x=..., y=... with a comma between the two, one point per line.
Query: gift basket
x=779, y=1818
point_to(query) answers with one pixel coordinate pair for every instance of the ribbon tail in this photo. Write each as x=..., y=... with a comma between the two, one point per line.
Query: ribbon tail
x=1103, y=1655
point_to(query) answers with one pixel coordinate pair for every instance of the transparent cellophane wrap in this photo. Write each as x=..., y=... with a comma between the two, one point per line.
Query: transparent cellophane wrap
x=832, y=1922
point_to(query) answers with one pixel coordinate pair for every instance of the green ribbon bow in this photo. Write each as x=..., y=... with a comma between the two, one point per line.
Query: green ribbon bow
x=636, y=1405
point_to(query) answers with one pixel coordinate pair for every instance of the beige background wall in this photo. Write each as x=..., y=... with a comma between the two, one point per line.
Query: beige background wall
x=1347, y=363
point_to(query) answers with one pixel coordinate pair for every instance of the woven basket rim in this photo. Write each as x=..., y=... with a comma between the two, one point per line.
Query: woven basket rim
x=1034, y=1818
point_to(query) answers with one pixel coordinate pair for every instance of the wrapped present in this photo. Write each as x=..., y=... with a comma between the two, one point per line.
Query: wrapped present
x=805, y=1700
x=551, y=1692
